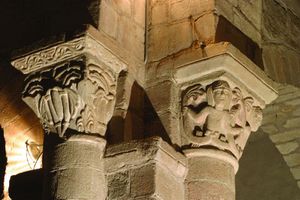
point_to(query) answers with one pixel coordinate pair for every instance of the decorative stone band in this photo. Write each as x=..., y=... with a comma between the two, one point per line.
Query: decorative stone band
x=72, y=85
x=50, y=56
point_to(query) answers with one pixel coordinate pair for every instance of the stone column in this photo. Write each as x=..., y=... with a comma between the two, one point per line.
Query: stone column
x=212, y=100
x=71, y=86
x=222, y=98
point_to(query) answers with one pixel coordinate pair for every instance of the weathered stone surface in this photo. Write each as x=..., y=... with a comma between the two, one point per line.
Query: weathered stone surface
x=155, y=170
x=118, y=185
x=292, y=123
x=287, y=148
x=286, y=136
x=142, y=181
x=292, y=159
x=271, y=129
x=296, y=172
x=109, y=20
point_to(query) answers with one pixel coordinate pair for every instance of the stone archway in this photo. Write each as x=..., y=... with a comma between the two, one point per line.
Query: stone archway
x=282, y=123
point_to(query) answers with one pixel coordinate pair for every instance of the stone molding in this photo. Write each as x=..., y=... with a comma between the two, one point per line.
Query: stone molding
x=72, y=85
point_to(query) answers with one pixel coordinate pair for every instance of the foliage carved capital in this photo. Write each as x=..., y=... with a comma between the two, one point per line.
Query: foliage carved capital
x=72, y=85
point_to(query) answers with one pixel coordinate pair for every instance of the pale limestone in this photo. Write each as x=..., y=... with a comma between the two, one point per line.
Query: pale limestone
x=286, y=136
x=224, y=9
x=123, y=6
x=295, y=102
x=108, y=20
x=296, y=172
x=180, y=36
x=252, y=10
x=292, y=123
x=197, y=10
x=179, y=10
x=139, y=9
x=159, y=14
x=292, y=159
x=270, y=128
x=296, y=112
x=287, y=148
x=243, y=23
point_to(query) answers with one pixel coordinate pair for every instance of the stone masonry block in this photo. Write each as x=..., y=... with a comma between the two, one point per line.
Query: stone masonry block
x=180, y=36
x=159, y=14
x=206, y=26
x=179, y=10
x=270, y=129
x=296, y=172
x=245, y=26
x=286, y=136
x=225, y=9
x=142, y=180
x=108, y=19
x=253, y=11
x=292, y=159
x=134, y=42
x=123, y=6
x=158, y=43
x=84, y=184
x=167, y=186
x=162, y=100
x=292, y=123
x=139, y=8
x=198, y=7
x=287, y=148
x=118, y=185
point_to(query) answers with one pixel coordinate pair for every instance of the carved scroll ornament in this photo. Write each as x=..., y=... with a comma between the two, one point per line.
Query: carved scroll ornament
x=218, y=116
x=72, y=95
x=52, y=55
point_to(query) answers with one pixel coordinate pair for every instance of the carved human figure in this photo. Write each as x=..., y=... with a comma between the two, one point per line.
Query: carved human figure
x=215, y=121
x=254, y=117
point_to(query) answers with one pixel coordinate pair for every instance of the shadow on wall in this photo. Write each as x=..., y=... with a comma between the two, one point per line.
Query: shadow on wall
x=3, y=161
x=25, y=21
x=141, y=120
x=263, y=174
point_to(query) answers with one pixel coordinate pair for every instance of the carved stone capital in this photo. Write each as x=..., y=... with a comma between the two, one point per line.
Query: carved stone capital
x=219, y=116
x=72, y=85
x=221, y=101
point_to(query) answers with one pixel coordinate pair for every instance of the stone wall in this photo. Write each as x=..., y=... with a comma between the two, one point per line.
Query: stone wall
x=281, y=40
x=124, y=21
x=282, y=123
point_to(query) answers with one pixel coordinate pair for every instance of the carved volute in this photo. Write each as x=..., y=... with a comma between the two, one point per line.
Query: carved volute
x=72, y=85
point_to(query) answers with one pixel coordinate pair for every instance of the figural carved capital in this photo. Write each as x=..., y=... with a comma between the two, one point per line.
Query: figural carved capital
x=221, y=101
x=72, y=85
x=219, y=116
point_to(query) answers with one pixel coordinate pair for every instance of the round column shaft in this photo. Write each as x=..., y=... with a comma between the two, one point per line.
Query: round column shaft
x=74, y=168
x=211, y=175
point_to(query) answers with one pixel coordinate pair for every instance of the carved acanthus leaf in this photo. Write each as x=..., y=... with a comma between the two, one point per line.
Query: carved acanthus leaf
x=58, y=107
